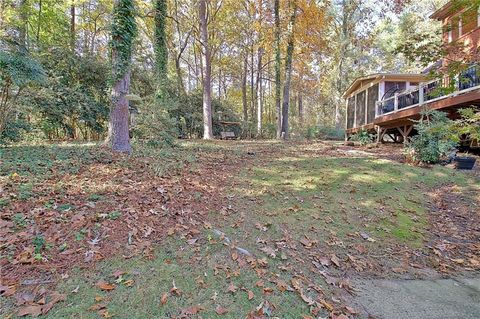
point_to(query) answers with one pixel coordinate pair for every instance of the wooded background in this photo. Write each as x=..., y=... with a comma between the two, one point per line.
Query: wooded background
x=322, y=47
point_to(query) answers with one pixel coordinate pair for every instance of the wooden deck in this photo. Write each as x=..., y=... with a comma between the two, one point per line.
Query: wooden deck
x=402, y=117
x=448, y=103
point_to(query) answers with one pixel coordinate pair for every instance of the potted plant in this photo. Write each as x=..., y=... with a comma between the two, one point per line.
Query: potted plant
x=468, y=125
x=465, y=162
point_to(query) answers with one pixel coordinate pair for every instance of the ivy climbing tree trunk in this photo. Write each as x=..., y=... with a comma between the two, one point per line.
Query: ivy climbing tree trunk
x=207, y=75
x=72, y=26
x=300, y=109
x=288, y=73
x=124, y=31
x=161, y=50
x=278, y=64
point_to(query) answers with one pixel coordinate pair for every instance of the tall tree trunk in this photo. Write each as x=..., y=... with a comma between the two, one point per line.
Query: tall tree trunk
x=124, y=31
x=118, y=126
x=207, y=78
x=178, y=71
x=259, y=88
x=161, y=51
x=278, y=64
x=23, y=24
x=39, y=22
x=244, y=88
x=72, y=26
x=252, y=85
x=342, y=54
x=288, y=74
x=300, y=109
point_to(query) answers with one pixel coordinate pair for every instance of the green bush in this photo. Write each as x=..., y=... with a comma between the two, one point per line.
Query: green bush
x=311, y=132
x=330, y=133
x=269, y=131
x=363, y=137
x=435, y=138
x=469, y=123
x=14, y=131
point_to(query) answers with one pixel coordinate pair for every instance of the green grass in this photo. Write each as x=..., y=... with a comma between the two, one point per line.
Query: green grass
x=43, y=161
x=285, y=195
x=344, y=196
x=202, y=275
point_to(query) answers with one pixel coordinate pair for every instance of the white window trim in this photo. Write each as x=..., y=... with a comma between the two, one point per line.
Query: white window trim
x=460, y=26
x=450, y=32
x=478, y=16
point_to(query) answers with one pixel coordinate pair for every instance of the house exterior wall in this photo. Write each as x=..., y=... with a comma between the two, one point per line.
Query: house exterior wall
x=373, y=95
x=461, y=31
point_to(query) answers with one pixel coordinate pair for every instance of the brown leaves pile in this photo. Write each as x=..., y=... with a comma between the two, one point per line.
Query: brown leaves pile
x=37, y=303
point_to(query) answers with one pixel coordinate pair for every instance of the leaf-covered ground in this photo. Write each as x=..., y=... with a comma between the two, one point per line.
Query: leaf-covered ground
x=223, y=229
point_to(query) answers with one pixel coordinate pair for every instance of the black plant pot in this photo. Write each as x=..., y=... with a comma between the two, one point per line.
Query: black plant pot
x=465, y=162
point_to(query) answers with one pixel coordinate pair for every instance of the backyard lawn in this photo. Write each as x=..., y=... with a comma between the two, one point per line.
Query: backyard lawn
x=224, y=229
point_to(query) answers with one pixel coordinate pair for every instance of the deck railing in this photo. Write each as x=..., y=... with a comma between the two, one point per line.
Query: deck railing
x=429, y=92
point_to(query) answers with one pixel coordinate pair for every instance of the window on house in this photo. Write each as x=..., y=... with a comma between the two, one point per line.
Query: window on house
x=478, y=16
x=450, y=32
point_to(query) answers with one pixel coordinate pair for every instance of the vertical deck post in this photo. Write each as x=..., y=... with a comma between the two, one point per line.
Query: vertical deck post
x=355, y=113
x=366, y=107
x=421, y=96
x=396, y=103
x=346, y=118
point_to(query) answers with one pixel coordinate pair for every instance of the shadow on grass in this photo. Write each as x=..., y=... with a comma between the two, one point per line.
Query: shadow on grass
x=345, y=195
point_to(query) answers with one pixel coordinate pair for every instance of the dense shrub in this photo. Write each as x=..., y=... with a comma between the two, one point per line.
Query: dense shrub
x=269, y=131
x=469, y=123
x=330, y=133
x=435, y=138
x=18, y=70
x=363, y=137
x=323, y=133
x=14, y=130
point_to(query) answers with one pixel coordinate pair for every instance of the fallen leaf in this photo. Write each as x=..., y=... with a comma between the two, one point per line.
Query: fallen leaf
x=192, y=241
x=250, y=295
x=221, y=310
x=118, y=273
x=105, y=314
x=33, y=311
x=282, y=285
x=193, y=310
x=351, y=310
x=105, y=286
x=232, y=288
x=309, y=301
x=97, y=306
x=175, y=289
x=335, y=260
x=327, y=306
x=164, y=298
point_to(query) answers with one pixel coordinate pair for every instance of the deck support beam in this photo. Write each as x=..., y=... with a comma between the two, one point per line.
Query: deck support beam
x=405, y=132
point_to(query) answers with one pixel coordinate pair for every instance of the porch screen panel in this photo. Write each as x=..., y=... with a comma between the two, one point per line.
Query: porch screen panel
x=361, y=108
x=372, y=101
x=351, y=112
